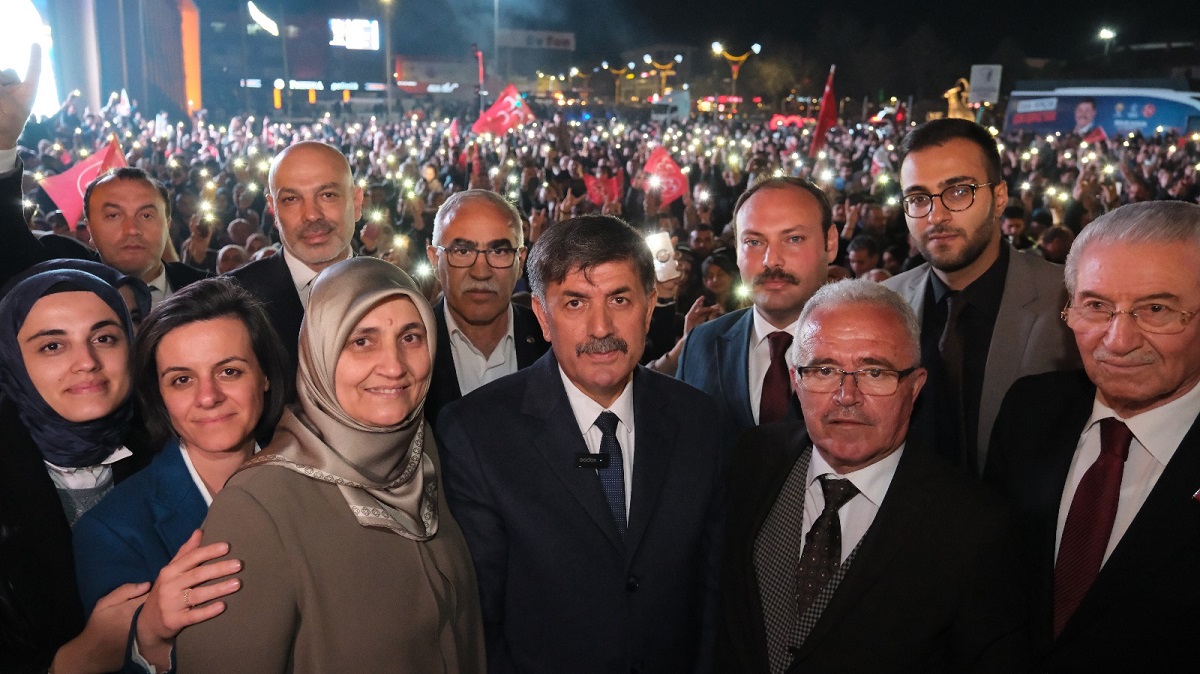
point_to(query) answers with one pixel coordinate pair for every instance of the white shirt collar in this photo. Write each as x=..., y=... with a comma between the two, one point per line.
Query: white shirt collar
x=191, y=468
x=872, y=481
x=302, y=274
x=1159, y=430
x=87, y=477
x=763, y=328
x=160, y=288
x=587, y=410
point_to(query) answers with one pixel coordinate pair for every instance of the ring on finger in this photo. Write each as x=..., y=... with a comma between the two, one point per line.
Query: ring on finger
x=187, y=600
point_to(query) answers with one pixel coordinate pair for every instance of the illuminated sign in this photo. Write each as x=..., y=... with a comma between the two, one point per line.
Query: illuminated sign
x=306, y=84
x=343, y=86
x=252, y=83
x=354, y=33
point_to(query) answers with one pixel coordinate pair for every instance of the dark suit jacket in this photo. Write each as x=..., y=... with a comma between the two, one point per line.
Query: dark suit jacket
x=1142, y=613
x=560, y=590
x=137, y=528
x=443, y=389
x=39, y=600
x=932, y=587
x=270, y=281
x=714, y=359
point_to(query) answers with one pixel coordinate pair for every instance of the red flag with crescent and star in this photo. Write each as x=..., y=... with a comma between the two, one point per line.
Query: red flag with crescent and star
x=66, y=189
x=826, y=118
x=664, y=175
x=506, y=113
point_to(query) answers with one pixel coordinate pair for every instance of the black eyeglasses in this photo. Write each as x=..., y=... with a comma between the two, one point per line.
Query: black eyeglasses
x=954, y=198
x=872, y=381
x=463, y=256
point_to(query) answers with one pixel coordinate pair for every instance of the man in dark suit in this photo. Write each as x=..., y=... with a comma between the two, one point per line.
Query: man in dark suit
x=988, y=314
x=478, y=252
x=126, y=210
x=1103, y=465
x=849, y=550
x=785, y=243
x=590, y=489
x=316, y=204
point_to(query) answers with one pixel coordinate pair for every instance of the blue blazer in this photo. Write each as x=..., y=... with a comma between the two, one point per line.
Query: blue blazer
x=137, y=528
x=715, y=358
x=560, y=590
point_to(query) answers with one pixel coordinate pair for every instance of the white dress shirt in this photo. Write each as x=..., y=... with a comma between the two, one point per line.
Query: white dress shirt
x=302, y=276
x=1156, y=435
x=88, y=477
x=472, y=368
x=191, y=468
x=587, y=411
x=859, y=512
x=759, y=355
x=8, y=160
x=160, y=288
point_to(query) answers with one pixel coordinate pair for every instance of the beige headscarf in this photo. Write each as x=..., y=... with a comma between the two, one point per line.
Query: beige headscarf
x=386, y=478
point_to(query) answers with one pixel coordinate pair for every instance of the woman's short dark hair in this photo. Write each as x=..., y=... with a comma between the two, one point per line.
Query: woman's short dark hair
x=208, y=300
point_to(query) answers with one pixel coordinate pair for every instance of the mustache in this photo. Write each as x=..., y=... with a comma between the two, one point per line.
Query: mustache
x=943, y=229
x=321, y=226
x=603, y=345
x=485, y=286
x=853, y=414
x=774, y=274
x=1103, y=355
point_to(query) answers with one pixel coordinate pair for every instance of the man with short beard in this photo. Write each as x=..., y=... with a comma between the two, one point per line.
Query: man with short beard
x=785, y=242
x=988, y=316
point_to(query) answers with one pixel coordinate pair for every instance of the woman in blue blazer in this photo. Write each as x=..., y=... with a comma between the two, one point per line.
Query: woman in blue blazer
x=211, y=382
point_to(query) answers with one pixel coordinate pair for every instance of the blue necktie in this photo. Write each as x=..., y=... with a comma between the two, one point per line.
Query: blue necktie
x=612, y=478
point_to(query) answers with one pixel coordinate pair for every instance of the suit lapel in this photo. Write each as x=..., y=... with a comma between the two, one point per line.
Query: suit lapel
x=1166, y=522
x=654, y=446
x=733, y=353
x=527, y=336
x=176, y=498
x=556, y=435
x=1014, y=322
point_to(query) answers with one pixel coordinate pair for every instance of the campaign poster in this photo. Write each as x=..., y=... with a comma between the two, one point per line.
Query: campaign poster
x=1098, y=117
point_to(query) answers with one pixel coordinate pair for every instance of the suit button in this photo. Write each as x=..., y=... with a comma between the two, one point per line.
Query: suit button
x=631, y=584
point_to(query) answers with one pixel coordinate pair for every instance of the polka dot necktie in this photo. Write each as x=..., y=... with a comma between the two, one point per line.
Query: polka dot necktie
x=822, y=554
x=612, y=478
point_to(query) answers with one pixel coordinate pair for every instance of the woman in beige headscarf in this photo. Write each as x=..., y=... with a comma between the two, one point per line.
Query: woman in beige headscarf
x=351, y=562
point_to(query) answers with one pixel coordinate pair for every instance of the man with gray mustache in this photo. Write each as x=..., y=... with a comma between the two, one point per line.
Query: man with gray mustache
x=1103, y=464
x=785, y=243
x=590, y=489
x=989, y=313
x=851, y=549
x=478, y=252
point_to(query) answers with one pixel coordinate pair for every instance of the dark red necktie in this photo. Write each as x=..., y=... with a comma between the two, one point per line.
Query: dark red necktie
x=1090, y=522
x=776, y=389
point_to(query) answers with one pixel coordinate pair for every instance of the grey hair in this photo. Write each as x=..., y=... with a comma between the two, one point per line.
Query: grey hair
x=457, y=200
x=1156, y=222
x=854, y=291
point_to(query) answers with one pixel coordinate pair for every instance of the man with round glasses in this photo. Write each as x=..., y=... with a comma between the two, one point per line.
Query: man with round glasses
x=478, y=251
x=1103, y=464
x=854, y=549
x=988, y=314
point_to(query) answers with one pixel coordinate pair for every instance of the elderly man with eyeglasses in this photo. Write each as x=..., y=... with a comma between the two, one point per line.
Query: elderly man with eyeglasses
x=477, y=252
x=1103, y=464
x=851, y=549
x=988, y=314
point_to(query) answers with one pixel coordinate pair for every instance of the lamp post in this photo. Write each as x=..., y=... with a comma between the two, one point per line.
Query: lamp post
x=735, y=64
x=389, y=63
x=618, y=75
x=278, y=30
x=1107, y=35
x=664, y=70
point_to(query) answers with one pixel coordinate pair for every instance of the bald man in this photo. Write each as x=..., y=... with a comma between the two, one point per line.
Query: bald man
x=316, y=204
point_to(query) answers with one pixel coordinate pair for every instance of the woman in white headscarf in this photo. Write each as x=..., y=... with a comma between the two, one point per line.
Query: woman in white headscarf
x=351, y=561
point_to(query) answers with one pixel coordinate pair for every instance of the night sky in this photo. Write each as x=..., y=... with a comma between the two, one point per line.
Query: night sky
x=604, y=27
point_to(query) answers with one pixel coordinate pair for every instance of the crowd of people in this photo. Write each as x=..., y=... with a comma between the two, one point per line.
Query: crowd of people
x=365, y=394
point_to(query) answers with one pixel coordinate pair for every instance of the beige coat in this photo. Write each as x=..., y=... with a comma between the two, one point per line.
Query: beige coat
x=321, y=593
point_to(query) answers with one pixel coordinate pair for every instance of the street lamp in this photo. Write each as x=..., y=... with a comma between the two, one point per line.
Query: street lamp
x=1107, y=35
x=664, y=70
x=735, y=64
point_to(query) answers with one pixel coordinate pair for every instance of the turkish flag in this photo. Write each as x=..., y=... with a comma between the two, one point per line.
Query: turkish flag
x=663, y=174
x=453, y=130
x=66, y=189
x=827, y=118
x=602, y=190
x=505, y=114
